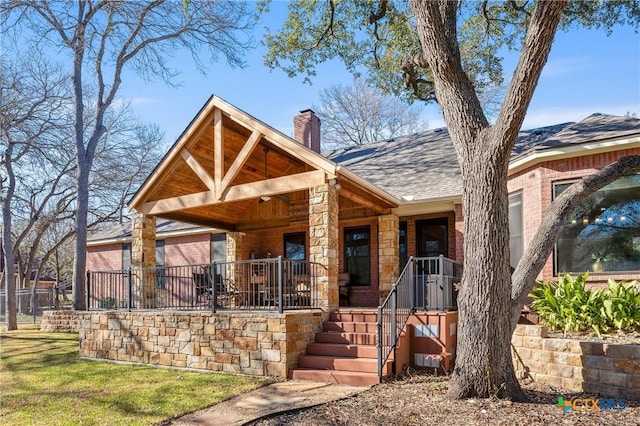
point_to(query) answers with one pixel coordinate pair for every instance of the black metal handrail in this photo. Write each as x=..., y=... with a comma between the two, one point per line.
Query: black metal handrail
x=425, y=283
x=394, y=313
x=256, y=284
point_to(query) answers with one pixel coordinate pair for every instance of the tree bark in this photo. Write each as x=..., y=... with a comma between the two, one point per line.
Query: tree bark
x=9, y=262
x=483, y=366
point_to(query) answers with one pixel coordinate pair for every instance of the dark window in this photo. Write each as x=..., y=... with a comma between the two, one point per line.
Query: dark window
x=294, y=246
x=431, y=237
x=126, y=255
x=603, y=234
x=357, y=255
x=515, y=228
x=219, y=247
x=160, y=272
x=403, y=249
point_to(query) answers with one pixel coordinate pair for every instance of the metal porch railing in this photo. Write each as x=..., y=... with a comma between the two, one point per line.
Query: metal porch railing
x=256, y=284
x=426, y=283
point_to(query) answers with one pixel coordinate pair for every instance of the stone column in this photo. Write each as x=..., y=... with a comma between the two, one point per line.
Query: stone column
x=388, y=253
x=323, y=243
x=235, y=248
x=143, y=259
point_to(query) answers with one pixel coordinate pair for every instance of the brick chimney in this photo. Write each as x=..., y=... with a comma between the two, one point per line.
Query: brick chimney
x=306, y=129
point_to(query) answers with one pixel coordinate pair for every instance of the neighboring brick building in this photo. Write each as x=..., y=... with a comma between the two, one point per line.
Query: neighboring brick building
x=279, y=197
x=176, y=244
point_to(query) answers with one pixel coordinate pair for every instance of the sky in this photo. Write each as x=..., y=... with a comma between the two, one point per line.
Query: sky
x=587, y=72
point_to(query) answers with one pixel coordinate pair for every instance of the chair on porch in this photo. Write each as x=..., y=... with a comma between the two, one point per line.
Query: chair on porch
x=202, y=284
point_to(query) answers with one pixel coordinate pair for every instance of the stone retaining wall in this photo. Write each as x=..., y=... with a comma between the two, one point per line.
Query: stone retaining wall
x=600, y=368
x=60, y=321
x=254, y=343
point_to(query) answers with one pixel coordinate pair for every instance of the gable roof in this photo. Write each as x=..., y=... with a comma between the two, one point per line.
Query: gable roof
x=218, y=169
x=423, y=166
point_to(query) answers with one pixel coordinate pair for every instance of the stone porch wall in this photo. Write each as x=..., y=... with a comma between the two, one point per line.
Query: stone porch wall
x=592, y=367
x=60, y=321
x=254, y=343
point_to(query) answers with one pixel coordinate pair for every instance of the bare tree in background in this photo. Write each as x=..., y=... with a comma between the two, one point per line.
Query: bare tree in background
x=359, y=114
x=102, y=39
x=34, y=93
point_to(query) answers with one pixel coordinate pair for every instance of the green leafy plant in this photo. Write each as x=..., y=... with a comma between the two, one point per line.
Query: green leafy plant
x=621, y=307
x=568, y=306
x=108, y=303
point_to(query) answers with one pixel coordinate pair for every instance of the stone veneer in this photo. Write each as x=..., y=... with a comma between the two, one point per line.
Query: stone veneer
x=323, y=242
x=388, y=253
x=607, y=369
x=59, y=321
x=254, y=343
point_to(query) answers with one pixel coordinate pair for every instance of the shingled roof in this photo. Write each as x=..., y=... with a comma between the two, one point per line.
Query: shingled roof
x=122, y=231
x=423, y=166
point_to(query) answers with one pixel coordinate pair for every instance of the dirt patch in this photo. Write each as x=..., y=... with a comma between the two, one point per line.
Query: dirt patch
x=419, y=400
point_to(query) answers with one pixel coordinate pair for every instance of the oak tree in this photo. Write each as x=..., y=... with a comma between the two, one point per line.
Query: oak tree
x=447, y=51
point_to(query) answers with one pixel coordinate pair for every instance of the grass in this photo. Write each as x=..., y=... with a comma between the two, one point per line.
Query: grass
x=43, y=381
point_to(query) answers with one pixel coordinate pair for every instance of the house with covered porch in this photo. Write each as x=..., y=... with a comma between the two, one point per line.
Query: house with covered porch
x=305, y=235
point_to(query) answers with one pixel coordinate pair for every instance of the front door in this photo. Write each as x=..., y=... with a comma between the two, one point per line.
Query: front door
x=431, y=238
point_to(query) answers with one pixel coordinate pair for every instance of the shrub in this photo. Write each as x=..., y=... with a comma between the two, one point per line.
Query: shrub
x=108, y=303
x=568, y=306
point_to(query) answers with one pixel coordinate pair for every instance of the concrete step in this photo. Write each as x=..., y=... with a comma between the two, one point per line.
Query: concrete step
x=350, y=327
x=342, y=350
x=341, y=377
x=321, y=362
x=346, y=338
x=354, y=315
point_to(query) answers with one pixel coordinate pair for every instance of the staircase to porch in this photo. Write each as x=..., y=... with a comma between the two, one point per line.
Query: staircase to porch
x=345, y=351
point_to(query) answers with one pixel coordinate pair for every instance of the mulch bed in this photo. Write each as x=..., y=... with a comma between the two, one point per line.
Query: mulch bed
x=418, y=399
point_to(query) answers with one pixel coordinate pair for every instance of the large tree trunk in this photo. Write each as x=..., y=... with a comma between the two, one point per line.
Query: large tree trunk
x=80, y=255
x=7, y=244
x=483, y=365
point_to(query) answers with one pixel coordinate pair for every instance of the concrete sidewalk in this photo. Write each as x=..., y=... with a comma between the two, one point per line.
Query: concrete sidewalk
x=275, y=398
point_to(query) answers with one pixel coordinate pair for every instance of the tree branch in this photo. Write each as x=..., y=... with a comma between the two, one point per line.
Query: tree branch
x=539, y=250
x=535, y=51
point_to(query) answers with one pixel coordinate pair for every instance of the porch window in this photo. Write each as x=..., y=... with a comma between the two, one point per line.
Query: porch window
x=603, y=234
x=357, y=255
x=294, y=246
x=126, y=256
x=402, y=245
x=160, y=272
x=515, y=228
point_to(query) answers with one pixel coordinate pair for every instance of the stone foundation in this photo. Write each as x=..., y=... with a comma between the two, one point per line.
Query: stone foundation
x=254, y=343
x=592, y=367
x=59, y=321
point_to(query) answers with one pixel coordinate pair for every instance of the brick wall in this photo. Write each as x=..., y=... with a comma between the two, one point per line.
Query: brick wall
x=104, y=257
x=260, y=344
x=187, y=250
x=606, y=369
x=536, y=184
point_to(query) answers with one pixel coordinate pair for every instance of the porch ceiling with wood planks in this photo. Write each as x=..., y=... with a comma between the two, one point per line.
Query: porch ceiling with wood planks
x=215, y=175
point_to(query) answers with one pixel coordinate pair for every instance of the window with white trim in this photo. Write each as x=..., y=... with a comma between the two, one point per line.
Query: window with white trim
x=516, y=244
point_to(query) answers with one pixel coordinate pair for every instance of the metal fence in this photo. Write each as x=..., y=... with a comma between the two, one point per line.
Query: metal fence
x=29, y=303
x=426, y=283
x=257, y=284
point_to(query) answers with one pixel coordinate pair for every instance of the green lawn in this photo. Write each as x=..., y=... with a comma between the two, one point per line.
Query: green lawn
x=43, y=382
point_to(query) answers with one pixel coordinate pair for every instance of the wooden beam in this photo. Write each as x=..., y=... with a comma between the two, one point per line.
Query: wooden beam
x=218, y=151
x=242, y=192
x=244, y=153
x=202, y=173
x=362, y=201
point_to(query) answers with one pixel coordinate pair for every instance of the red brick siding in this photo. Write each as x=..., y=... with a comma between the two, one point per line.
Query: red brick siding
x=187, y=250
x=105, y=257
x=536, y=184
